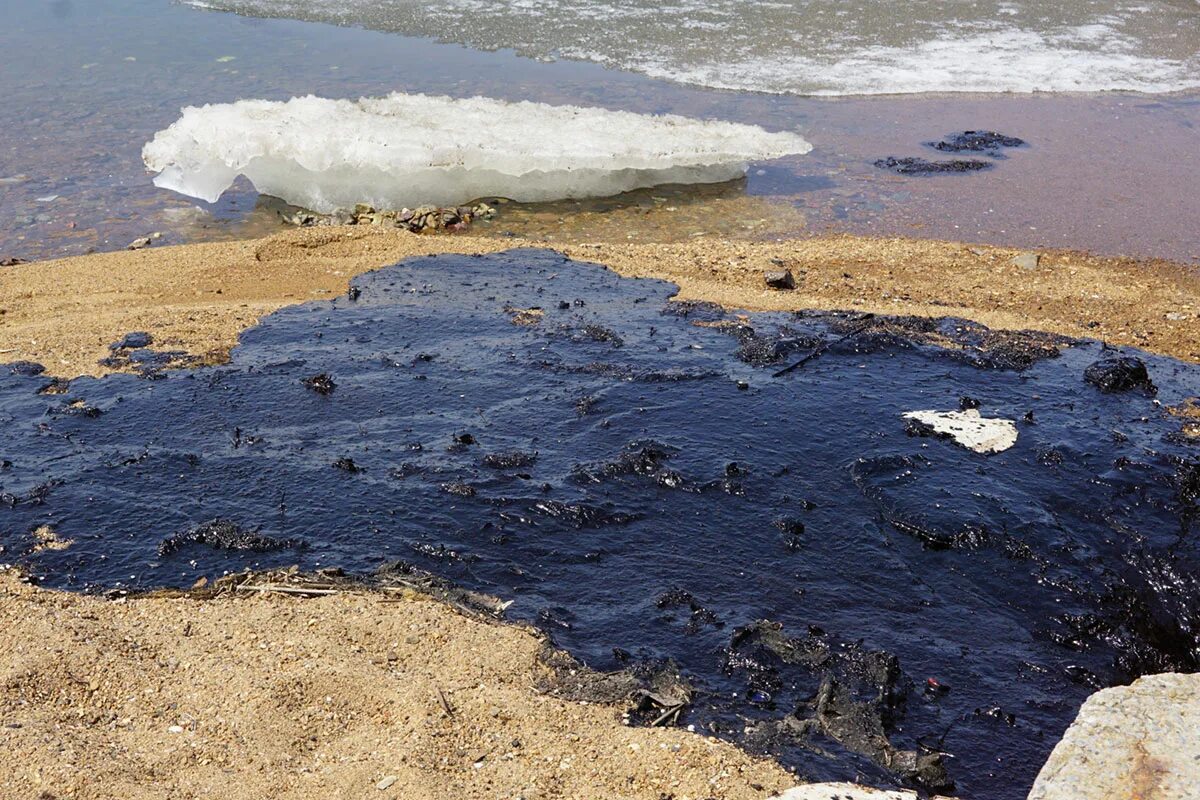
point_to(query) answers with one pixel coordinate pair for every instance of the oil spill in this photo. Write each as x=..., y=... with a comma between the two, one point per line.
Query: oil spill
x=660, y=483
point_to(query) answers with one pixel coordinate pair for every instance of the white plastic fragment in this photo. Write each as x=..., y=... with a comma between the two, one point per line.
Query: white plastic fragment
x=970, y=429
x=841, y=791
x=408, y=150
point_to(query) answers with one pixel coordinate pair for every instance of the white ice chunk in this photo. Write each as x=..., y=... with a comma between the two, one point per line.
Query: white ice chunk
x=970, y=429
x=407, y=150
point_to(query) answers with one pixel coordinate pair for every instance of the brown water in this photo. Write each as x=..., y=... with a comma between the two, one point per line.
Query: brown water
x=1106, y=172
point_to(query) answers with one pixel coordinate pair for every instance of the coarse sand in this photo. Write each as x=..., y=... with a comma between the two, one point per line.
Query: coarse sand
x=199, y=297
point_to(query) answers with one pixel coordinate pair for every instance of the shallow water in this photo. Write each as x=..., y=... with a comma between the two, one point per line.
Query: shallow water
x=816, y=47
x=1112, y=173
x=619, y=448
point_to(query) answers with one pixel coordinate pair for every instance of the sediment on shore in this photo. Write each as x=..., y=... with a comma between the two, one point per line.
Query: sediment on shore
x=199, y=297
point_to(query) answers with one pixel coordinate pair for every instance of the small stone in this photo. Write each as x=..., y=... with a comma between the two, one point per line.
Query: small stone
x=138, y=244
x=175, y=729
x=1027, y=260
x=780, y=279
x=1174, y=316
x=12, y=262
x=386, y=782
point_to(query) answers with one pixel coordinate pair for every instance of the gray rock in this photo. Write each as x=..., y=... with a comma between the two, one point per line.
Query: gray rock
x=780, y=279
x=1027, y=260
x=1139, y=741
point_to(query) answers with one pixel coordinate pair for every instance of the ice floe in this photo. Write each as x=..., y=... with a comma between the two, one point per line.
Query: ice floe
x=969, y=428
x=411, y=149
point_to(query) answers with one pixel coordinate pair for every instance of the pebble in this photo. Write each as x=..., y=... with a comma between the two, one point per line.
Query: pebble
x=1027, y=260
x=145, y=241
x=386, y=783
x=780, y=279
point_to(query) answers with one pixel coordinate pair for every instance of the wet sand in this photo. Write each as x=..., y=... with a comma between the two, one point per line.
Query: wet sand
x=199, y=297
x=355, y=694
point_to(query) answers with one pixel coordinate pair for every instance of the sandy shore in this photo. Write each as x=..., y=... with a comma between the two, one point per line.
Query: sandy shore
x=200, y=297
x=351, y=695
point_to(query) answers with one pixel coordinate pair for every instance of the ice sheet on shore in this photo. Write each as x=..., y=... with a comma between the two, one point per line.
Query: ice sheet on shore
x=405, y=150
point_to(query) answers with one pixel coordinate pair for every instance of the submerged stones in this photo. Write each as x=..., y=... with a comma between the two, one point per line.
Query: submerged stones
x=966, y=427
x=920, y=166
x=1119, y=374
x=986, y=143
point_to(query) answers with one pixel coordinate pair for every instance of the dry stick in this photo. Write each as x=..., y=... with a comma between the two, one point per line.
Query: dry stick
x=275, y=587
x=821, y=348
x=662, y=717
x=445, y=703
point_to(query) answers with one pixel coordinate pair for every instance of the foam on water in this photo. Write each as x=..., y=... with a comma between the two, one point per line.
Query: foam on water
x=406, y=150
x=823, y=47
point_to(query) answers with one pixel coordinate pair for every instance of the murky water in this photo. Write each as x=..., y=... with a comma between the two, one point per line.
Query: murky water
x=644, y=476
x=1112, y=173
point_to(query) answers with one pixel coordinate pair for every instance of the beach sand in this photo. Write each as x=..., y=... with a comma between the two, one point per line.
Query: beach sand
x=199, y=297
x=351, y=695
x=272, y=696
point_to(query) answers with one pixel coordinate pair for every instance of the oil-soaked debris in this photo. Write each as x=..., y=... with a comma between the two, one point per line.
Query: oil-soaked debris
x=56, y=386
x=321, y=383
x=526, y=316
x=582, y=515
x=920, y=166
x=860, y=699
x=145, y=362
x=1119, y=374
x=590, y=332
x=513, y=459
x=346, y=464
x=761, y=350
x=135, y=340
x=1022, y=581
x=987, y=142
x=699, y=617
x=655, y=693
x=76, y=408
x=29, y=368
x=647, y=459
x=696, y=310
x=223, y=534
x=34, y=497
x=12, y=261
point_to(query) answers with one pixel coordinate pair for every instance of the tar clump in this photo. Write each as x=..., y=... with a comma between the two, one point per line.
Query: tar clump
x=320, y=383
x=222, y=534
x=1119, y=375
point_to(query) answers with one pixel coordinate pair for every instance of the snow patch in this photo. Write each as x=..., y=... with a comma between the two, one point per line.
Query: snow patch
x=412, y=149
x=970, y=429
